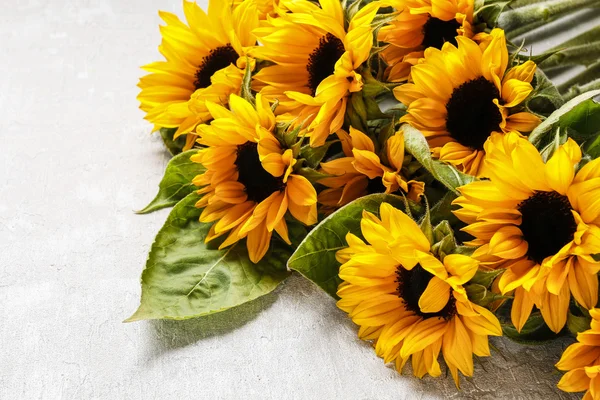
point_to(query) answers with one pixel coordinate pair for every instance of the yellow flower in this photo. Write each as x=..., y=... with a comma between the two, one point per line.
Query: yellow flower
x=540, y=221
x=409, y=302
x=362, y=172
x=582, y=361
x=265, y=8
x=249, y=183
x=200, y=64
x=316, y=59
x=461, y=95
x=419, y=25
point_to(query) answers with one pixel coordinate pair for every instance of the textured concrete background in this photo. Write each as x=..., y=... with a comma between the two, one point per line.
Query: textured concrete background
x=76, y=160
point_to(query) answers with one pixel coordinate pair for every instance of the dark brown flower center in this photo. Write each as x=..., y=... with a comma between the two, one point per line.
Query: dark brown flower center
x=259, y=183
x=472, y=114
x=411, y=285
x=547, y=224
x=216, y=60
x=436, y=32
x=321, y=62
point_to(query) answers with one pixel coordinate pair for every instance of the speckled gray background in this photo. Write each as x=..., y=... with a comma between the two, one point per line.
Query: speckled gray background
x=76, y=159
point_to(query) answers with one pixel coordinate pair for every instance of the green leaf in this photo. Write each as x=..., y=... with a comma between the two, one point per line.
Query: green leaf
x=545, y=98
x=550, y=123
x=416, y=144
x=583, y=118
x=174, y=146
x=176, y=183
x=186, y=278
x=442, y=210
x=490, y=11
x=315, y=257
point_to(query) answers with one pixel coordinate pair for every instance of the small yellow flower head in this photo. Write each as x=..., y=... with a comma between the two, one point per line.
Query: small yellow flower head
x=316, y=60
x=410, y=303
x=249, y=184
x=460, y=95
x=202, y=64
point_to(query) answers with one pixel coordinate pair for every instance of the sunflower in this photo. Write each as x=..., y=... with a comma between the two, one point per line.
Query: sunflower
x=461, y=95
x=362, y=172
x=538, y=221
x=201, y=64
x=315, y=59
x=249, y=183
x=408, y=301
x=419, y=25
x=582, y=360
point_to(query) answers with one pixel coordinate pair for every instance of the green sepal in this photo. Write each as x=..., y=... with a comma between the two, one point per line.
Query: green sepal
x=425, y=224
x=246, y=90
x=314, y=155
x=315, y=257
x=465, y=250
x=480, y=295
x=175, y=146
x=176, y=183
x=312, y=175
x=485, y=278
x=578, y=323
x=187, y=278
x=356, y=112
x=416, y=144
x=535, y=331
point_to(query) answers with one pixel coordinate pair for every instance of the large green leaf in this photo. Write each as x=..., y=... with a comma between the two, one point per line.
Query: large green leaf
x=177, y=182
x=175, y=146
x=315, y=257
x=552, y=121
x=584, y=118
x=186, y=278
x=416, y=144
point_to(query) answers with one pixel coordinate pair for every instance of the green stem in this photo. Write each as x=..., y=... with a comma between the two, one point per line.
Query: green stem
x=592, y=73
x=529, y=17
x=579, y=55
x=524, y=3
x=577, y=90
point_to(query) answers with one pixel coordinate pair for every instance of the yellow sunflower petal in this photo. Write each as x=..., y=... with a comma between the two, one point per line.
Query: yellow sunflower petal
x=435, y=297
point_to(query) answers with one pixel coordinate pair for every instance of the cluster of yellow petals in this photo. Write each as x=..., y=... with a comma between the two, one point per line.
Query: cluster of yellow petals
x=351, y=174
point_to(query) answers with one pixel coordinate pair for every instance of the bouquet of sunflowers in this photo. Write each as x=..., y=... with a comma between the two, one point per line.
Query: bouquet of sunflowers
x=406, y=156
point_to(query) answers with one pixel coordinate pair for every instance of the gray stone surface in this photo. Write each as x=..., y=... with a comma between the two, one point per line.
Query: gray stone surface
x=76, y=160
